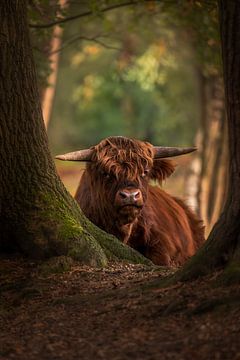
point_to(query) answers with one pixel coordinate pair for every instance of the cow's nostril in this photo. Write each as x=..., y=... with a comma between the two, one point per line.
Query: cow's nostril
x=137, y=195
x=123, y=195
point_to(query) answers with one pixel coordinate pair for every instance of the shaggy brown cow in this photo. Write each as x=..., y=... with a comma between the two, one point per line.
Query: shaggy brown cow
x=115, y=194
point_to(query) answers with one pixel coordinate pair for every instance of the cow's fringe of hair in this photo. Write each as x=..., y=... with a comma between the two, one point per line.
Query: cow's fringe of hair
x=132, y=155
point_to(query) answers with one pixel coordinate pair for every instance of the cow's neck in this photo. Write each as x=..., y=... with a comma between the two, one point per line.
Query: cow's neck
x=123, y=232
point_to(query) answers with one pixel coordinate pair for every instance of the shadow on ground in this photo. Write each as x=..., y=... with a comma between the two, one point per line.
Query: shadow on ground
x=114, y=313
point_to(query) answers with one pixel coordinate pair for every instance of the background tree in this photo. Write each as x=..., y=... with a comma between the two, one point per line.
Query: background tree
x=49, y=91
x=38, y=217
x=213, y=176
x=46, y=43
x=198, y=22
x=222, y=249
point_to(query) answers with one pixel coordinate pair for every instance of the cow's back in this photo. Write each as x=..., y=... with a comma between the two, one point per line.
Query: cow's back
x=168, y=232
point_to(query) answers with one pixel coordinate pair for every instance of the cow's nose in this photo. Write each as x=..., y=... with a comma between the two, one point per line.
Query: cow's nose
x=129, y=195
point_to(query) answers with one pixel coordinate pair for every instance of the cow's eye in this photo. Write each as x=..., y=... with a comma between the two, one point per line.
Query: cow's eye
x=107, y=175
x=145, y=173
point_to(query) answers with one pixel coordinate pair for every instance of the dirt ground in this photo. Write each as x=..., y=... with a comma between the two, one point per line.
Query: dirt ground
x=115, y=313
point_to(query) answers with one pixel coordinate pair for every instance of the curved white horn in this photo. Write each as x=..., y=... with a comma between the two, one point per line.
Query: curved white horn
x=163, y=152
x=80, y=155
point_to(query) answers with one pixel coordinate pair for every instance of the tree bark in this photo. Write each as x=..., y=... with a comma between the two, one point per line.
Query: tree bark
x=37, y=215
x=222, y=249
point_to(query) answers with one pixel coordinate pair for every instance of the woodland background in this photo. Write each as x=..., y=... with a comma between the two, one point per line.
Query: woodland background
x=146, y=70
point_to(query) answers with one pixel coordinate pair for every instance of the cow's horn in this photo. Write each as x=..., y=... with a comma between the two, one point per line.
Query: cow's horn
x=163, y=152
x=80, y=155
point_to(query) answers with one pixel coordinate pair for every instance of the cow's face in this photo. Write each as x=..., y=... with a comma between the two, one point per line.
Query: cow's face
x=120, y=169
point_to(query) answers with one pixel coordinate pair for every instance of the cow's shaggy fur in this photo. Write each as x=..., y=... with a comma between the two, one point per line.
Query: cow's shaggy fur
x=164, y=229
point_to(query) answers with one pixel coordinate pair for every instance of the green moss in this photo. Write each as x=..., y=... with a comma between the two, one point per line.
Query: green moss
x=69, y=236
x=115, y=249
x=88, y=251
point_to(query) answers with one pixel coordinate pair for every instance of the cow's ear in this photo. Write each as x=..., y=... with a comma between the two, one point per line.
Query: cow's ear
x=161, y=169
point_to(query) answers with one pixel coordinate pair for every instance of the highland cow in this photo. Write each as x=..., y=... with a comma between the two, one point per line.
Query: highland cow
x=116, y=193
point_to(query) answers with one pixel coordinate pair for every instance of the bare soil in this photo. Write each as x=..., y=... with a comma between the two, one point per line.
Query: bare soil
x=119, y=312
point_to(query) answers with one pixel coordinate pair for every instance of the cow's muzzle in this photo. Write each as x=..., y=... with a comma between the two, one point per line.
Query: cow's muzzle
x=129, y=197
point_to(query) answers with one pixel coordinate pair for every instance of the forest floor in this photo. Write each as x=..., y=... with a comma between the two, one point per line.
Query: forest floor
x=115, y=313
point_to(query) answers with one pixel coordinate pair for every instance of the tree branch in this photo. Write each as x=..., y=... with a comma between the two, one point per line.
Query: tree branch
x=79, y=37
x=87, y=13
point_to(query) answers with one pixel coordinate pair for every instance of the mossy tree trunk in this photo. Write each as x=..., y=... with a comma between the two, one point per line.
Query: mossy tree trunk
x=222, y=249
x=37, y=215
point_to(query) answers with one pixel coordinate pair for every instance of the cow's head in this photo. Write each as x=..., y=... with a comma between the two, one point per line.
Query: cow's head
x=120, y=169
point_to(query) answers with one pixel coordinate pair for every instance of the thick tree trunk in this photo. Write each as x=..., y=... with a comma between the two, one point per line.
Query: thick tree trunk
x=37, y=215
x=222, y=249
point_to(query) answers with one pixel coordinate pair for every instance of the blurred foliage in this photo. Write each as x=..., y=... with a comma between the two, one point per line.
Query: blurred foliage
x=42, y=11
x=199, y=22
x=130, y=71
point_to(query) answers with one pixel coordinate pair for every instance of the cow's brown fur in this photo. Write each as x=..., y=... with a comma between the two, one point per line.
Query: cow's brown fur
x=165, y=229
